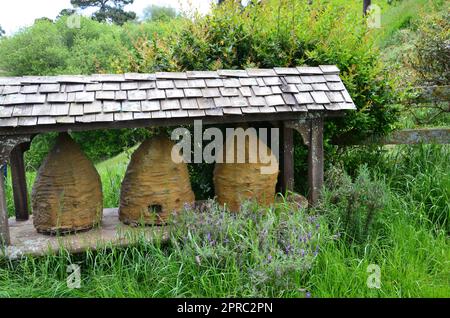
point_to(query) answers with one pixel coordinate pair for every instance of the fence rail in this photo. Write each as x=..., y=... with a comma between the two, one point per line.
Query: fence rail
x=404, y=137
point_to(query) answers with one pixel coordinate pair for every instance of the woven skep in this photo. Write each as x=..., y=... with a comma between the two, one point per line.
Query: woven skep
x=154, y=186
x=67, y=194
x=236, y=182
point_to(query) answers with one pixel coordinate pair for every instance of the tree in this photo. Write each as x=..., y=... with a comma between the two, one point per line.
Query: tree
x=2, y=32
x=108, y=10
x=66, y=12
x=158, y=13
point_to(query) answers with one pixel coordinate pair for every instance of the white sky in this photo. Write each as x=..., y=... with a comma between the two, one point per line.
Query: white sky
x=15, y=14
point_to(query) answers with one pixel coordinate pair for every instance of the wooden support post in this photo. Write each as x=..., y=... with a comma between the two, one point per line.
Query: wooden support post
x=19, y=182
x=315, y=159
x=286, y=176
x=366, y=5
x=7, y=144
x=4, y=229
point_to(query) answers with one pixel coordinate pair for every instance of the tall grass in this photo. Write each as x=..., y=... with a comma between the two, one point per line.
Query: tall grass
x=401, y=15
x=274, y=252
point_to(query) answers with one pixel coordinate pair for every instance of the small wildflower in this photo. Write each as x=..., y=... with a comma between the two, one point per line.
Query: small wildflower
x=288, y=249
x=308, y=295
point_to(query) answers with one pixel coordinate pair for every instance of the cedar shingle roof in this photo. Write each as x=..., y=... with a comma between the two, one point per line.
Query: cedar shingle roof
x=47, y=100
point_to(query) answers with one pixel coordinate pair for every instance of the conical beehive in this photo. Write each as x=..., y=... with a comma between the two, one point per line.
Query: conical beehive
x=154, y=185
x=254, y=179
x=67, y=194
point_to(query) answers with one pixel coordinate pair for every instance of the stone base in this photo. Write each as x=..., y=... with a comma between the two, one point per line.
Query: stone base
x=25, y=240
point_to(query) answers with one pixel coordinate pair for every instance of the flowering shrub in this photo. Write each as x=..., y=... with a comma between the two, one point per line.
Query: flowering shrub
x=353, y=207
x=272, y=246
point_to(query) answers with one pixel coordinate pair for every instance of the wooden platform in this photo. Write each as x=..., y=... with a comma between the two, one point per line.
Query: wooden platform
x=26, y=241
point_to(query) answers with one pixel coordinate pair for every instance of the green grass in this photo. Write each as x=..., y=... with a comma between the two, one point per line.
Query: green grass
x=400, y=15
x=411, y=246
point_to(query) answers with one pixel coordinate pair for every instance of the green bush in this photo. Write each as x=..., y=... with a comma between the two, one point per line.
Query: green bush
x=353, y=207
x=38, y=50
x=272, y=33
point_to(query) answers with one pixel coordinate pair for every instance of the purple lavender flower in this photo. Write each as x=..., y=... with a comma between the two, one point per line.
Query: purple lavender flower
x=302, y=252
x=316, y=251
x=288, y=249
x=269, y=258
x=308, y=295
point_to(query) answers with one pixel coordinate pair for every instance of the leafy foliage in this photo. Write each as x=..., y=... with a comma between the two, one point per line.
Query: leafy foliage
x=353, y=208
x=430, y=56
x=271, y=33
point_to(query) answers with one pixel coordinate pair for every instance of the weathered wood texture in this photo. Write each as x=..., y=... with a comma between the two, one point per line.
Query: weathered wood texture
x=54, y=100
x=286, y=176
x=19, y=182
x=7, y=144
x=167, y=122
x=4, y=230
x=26, y=241
x=403, y=137
x=311, y=131
x=315, y=160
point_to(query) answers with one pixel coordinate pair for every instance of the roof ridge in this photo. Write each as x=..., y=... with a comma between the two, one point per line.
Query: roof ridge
x=134, y=76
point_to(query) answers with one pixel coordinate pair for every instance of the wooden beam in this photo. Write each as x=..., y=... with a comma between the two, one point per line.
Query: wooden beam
x=19, y=181
x=286, y=176
x=167, y=122
x=315, y=160
x=4, y=229
x=402, y=137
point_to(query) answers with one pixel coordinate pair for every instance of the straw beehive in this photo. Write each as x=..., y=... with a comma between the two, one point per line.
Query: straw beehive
x=67, y=194
x=154, y=186
x=236, y=182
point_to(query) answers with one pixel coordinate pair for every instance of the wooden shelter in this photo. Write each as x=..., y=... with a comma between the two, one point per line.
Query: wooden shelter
x=297, y=98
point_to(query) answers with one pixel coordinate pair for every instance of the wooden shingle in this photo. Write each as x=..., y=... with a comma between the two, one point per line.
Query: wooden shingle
x=68, y=99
